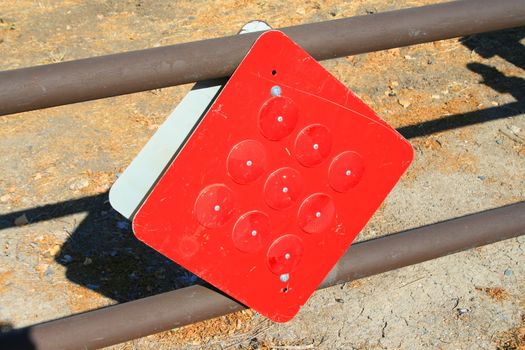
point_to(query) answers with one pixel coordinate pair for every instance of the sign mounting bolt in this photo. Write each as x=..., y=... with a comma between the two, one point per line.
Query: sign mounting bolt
x=284, y=277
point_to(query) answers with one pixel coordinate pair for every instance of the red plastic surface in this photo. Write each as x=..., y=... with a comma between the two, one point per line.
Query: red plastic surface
x=271, y=188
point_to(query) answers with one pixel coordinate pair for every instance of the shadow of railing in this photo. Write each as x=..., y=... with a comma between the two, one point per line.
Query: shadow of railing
x=505, y=44
x=102, y=254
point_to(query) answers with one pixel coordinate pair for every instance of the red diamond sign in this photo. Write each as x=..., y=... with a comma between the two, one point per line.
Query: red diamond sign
x=275, y=182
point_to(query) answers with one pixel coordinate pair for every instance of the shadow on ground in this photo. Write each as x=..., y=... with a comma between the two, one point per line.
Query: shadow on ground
x=505, y=44
x=102, y=254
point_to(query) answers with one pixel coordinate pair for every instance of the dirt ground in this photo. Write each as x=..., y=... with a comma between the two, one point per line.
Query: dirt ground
x=460, y=102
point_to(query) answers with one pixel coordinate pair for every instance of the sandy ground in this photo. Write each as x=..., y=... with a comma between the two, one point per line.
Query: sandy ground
x=460, y=102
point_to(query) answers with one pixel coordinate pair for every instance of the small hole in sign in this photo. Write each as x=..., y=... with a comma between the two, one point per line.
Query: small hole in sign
x=274, y=72
x=284, y=290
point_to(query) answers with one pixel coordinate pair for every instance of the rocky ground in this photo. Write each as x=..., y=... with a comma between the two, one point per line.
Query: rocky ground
x=460, y=102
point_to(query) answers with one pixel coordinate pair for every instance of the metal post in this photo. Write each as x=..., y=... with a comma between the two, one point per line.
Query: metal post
x=105, y=76
x=122, y=322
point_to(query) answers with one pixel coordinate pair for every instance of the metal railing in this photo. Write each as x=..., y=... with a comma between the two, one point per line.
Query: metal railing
x=93, y=78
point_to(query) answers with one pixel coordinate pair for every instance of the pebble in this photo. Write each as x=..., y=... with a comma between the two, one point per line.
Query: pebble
x=21, y=220
x=508, y=272
x=67, y=259
x=301, y=11
x=462, y=311
x=122, y=225
x=481, y=177
x=153, y=127
x=499, y=142
x=53, y=251
x=5, y=198
x=79, y=184
x=404, y=103
x=87, y=261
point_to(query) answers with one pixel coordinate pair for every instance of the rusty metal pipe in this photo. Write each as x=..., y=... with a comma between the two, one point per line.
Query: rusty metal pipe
x=122, y=322
x=105, y=76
